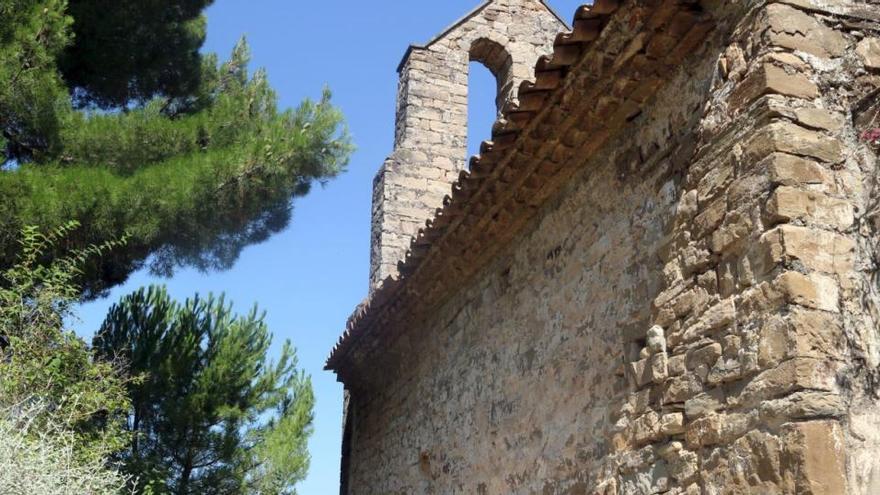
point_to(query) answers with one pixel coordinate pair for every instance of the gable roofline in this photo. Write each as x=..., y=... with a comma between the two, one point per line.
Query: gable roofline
x=426, y=272
x=464, y=19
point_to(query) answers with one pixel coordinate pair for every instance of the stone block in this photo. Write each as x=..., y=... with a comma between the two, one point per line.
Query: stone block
x=694, y=259
x=716, y=317
x=812, y=291
x=706, y=355
x=731, y=236
x=819, y=118
x=788, y=203
x=703, y=404
x=690, y=301
x=672, y=424
x=777, y=80
x=680, y=389
x=646, y=428
x=814, y=249
x=788, y=137
x=725, y=370
x=708, y=281
x=799, y=31
x=790, y=170
x=789, y=59
x=658, y=368
x=770, y=79
x=807, y=404
x=814, y=460
x=710, y=218
x=716, y=429
x=801, y=332
x=868, y=51
x=639, y=373
x=714, y=182
x=790, y=376
x=676, y=365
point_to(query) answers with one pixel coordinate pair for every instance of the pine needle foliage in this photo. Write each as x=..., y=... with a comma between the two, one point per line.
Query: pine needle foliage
x=33, y=34
x=212, y=414
x=133, y=50
x=191, y=178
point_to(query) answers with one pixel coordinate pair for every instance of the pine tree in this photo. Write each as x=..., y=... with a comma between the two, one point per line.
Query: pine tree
x=133, y=50
x=191, y=169
x=211, y=414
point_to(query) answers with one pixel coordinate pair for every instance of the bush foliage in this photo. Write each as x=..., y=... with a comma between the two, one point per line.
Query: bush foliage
x=57, y=403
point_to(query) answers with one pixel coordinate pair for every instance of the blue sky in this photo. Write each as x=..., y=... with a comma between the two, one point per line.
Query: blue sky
x=311, y=276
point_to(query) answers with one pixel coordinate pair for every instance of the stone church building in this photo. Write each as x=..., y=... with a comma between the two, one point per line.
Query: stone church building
x=661, y=274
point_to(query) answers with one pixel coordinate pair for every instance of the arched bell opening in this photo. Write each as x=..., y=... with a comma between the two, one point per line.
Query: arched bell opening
x=490, y=85
x=495, y=57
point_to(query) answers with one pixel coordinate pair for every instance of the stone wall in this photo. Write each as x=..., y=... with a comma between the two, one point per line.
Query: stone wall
x=508, y=389
x=761, y=336
x=430, y=145
x=696, y=311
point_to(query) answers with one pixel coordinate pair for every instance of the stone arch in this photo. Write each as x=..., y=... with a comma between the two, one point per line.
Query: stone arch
x=431, y=121
x=498, y=60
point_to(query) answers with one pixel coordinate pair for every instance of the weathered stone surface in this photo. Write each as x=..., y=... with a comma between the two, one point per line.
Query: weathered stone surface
x=789, y=203
x=676, y=365
x=819, y=118
x=808, y=404
x=751, y=464
x=771, y=79
x=718, y=316
x=716, y=428
x=791, y=138
x=815, y=249
x=672, y=424
x=704, y=403
x=790, y=170
x=814, y=460
x=640, y=372
x=796, y=30
x=802, y=332
x=679, y=389
x=789, y=376
x=869, y=51
x=706, y=355
x=812, y=291
x=658, y=368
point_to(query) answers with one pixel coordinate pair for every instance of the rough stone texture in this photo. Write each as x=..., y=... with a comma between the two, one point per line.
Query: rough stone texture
x=691, y=306
x=430, y=144
x=480, y=399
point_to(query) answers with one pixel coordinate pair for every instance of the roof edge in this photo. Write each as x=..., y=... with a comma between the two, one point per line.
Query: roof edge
x=497, y=154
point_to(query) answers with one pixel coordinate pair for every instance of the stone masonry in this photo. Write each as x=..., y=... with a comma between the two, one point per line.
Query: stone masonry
x=661, y=275
x=430, y=142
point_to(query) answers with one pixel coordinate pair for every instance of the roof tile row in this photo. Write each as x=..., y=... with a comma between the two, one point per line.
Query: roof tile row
x=518, y=171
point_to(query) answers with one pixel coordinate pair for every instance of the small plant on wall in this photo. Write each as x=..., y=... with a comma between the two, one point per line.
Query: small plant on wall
x=869, y=126
x=871, y=136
